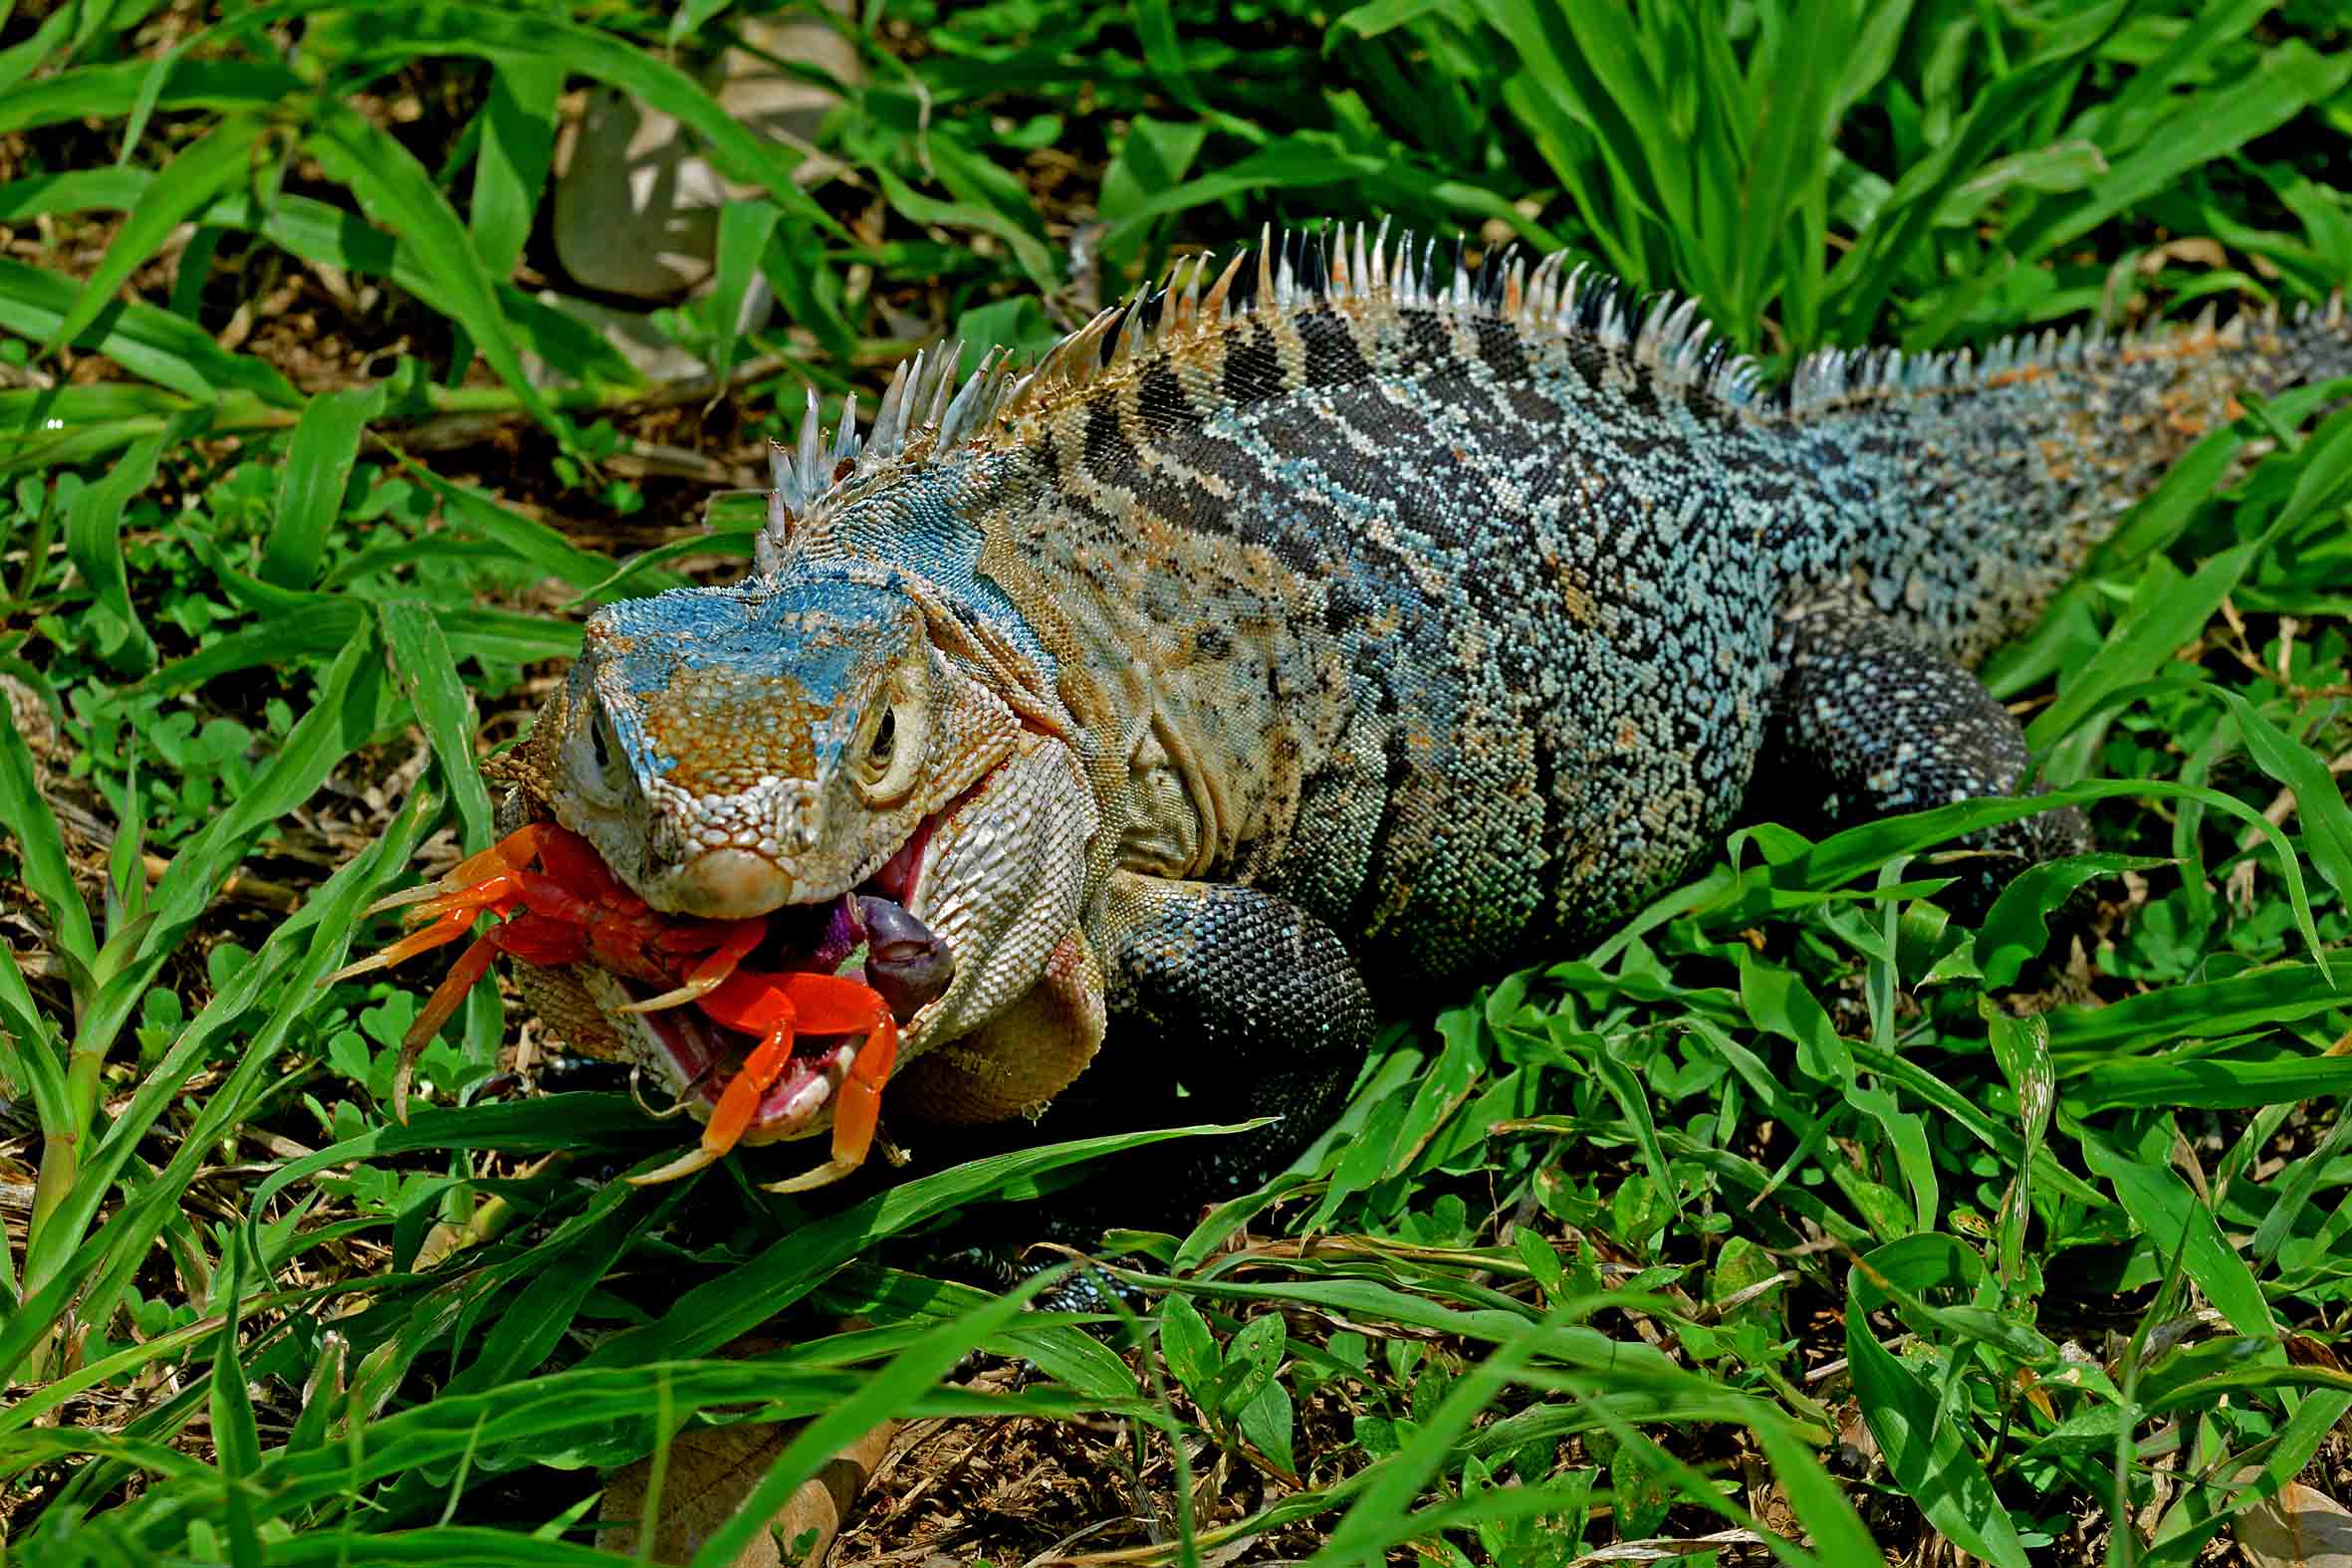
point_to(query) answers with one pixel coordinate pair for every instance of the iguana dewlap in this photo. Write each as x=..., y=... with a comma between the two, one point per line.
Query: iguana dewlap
x=1323, y=628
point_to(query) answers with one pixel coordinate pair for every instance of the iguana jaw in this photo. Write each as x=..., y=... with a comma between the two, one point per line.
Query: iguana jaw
x=691, y=1056
x=732, y=750
x=1000, y=875
x=1006, y=881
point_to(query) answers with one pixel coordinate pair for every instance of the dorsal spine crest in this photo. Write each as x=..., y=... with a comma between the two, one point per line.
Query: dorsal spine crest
x=927, y=411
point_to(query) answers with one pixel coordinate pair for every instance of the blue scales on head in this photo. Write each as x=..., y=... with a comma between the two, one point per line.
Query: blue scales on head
x=732, y=749
x=905, y=497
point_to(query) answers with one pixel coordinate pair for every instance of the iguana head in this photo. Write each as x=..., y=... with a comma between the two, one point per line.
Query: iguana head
x=730, y=751
x=823, y=730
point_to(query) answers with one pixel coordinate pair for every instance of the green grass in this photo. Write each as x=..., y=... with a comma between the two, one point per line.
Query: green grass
x=2049, y=1214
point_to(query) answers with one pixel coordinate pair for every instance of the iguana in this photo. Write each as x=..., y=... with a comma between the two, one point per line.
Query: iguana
x=1326, y=628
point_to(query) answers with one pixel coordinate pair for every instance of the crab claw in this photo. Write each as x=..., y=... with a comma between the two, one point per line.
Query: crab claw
x=738, y=1103
x=907, y=962
x=712, y=971
x=855, y=1113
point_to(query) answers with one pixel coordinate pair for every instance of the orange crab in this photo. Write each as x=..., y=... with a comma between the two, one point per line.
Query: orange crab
x=569, y=910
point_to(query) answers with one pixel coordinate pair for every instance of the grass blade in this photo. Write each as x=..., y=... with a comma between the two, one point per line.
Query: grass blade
x=2170, y=1216
x=527, y=539
x=2213, y=1085
x=1163, y=50
x=93, y=529
x=893, y=1390
x=74, y=190
x=745, y=230
x=399, y=193
x=2319, y=799
x=148, y=343
x=1923, y=1452
x=434, y=1546
x=318, y=464
x=236, y=1439
x=111, y=91
x=518, y=144
x=427, y=676
x=41, y=848
x=2272, y=996
x=183, y=187
x=314, y=631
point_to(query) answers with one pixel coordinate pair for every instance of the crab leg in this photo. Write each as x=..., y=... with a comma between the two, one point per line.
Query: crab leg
x=856, y=1111
x=471, y=965
x=860, y=1104
x=510, y=854
x=738, y=1103
x=490, y=880
x=445, y=930
x=753, y=1003
x=503, y=888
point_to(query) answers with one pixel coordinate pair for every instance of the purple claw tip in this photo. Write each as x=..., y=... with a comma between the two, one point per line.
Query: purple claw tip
x=906, y=961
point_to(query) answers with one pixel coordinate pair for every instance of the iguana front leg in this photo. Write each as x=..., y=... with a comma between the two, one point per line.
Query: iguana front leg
x=1244, y=1001
x=1247, y=1001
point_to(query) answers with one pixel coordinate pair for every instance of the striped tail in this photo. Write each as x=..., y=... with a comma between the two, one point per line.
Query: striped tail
x=1977, y=486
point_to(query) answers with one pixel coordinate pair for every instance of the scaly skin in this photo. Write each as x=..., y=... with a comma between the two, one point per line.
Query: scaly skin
x=1322, y=631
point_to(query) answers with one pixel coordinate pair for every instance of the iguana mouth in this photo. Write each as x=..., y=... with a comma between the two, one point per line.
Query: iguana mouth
x=770, y=1026
x=698, y=1058
x=861, y=934
x=865, y=933
x=723, y=1009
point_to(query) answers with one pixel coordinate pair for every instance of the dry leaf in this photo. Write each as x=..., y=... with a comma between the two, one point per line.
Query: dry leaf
x=2298, y=1529
x=712, y=1470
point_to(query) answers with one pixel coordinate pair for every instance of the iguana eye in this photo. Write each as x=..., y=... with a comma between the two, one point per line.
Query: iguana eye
x=609, y=777
x=609, y=760
x=893, y=753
